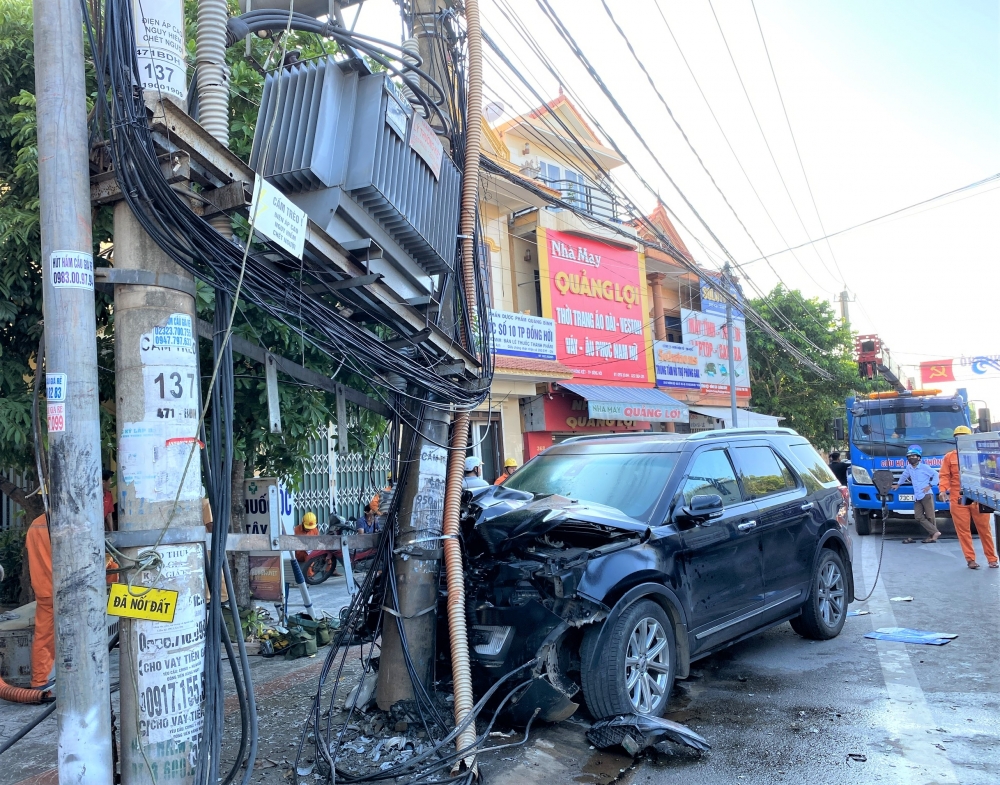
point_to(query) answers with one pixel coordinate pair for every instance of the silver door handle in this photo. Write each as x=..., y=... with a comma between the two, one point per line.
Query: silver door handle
x=807, y=506
x=747, y=526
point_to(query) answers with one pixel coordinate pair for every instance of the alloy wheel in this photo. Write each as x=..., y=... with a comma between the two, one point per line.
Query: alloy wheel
x=647, y=666
x=830, y=592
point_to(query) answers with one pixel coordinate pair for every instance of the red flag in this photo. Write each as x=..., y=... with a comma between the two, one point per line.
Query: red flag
x=937, y=371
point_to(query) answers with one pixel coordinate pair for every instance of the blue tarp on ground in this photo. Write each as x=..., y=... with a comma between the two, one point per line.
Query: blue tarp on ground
x=904, y=635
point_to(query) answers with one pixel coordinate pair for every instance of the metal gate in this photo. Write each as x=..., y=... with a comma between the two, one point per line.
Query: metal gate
x=340, y=483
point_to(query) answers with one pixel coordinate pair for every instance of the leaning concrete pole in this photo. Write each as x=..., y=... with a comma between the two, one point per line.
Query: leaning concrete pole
x=76, y=501
x=157, y=396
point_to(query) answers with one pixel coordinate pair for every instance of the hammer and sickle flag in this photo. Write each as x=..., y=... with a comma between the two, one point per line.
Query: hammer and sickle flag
x=936, y=371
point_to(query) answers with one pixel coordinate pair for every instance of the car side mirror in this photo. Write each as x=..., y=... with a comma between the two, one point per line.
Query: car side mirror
x=702, y=509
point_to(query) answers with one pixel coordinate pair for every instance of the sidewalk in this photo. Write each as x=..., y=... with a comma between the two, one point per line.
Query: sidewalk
x=32, y=760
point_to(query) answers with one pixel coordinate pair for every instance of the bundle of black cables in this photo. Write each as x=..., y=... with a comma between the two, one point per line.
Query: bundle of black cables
x=196, y=246
x=377, y=593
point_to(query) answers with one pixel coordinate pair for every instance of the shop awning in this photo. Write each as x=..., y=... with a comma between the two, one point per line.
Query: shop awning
x=613, y=402
x=744, y=417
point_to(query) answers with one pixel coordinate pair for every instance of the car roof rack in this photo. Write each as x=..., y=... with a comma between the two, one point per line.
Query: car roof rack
x=724, y=433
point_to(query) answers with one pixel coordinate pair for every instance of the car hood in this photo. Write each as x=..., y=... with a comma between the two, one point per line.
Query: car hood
x=509, y=518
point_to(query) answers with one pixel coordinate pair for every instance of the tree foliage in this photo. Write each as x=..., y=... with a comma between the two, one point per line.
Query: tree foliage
x=784, y=388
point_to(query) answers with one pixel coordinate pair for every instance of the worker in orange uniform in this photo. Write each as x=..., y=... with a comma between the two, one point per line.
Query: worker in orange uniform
x=382, y=499
x=307, y=528
x=43, y=647
x=509, y=467
x=950, y=487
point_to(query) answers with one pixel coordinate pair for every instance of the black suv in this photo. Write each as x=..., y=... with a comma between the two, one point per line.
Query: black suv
x=615, y=561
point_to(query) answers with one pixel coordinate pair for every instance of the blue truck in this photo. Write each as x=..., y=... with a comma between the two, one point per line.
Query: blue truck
x=879, y=429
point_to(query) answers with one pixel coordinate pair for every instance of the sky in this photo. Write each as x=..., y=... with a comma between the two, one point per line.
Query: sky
x=889, y=102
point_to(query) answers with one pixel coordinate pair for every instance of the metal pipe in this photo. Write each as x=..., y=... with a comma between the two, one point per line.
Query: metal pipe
x=76, y=501
x=458, y=631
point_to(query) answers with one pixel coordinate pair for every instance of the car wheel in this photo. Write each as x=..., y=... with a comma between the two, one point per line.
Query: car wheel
x=862, y=523
x=825, y=609
x=633, y=672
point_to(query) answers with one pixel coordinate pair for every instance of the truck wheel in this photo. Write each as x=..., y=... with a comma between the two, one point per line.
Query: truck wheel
x=862, y=522
x=634, y=672
x=825, y=609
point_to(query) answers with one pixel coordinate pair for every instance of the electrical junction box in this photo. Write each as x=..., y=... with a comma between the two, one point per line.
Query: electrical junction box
x=343, y=145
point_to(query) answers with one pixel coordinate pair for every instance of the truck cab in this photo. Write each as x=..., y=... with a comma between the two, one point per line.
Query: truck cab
x=880, y=428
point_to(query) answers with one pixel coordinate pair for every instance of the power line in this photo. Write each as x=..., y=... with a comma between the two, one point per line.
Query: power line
x=795, y=143
x=760, y=127
x=596, y=77
x=946, y=194
x=666, y=106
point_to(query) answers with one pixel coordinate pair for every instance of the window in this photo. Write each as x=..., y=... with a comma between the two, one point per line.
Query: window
x=816, y=474
x=763, y=472
x=549, y=172
x=891, y=427
x=711, y=474
x=630, y=482
x=573, y=190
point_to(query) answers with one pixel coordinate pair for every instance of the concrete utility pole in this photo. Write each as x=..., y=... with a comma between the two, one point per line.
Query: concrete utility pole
x=158, y=396
x=417, y=561
x=845, y=316
x=76, y=522
x=729, y=342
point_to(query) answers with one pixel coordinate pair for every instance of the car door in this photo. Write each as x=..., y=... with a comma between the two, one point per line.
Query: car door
x=783, y=515
x=721, y=557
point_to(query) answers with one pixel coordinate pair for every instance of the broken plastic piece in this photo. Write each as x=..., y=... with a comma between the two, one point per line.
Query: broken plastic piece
x=859, y=613
x=904, y=635
x=902, y=599
x=634, y=732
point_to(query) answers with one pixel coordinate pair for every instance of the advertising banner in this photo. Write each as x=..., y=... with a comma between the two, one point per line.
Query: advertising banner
x=596, y=294
x=676, y=365
x=268, y=509
x=713, y=302
x=706, y=332
x=523, y=335
x=609, y=410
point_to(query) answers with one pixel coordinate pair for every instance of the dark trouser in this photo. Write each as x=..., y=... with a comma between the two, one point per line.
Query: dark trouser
x=923, y=509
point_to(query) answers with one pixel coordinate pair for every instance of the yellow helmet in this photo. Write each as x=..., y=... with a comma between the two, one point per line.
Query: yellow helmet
x=309, y=520
x=962, y=430
x=510, y=463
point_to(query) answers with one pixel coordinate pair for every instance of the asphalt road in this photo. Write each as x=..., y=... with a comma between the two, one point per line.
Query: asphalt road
x=778, y=708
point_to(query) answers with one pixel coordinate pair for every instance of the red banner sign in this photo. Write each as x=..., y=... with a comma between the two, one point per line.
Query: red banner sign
x=936, y=371
x=596, y=294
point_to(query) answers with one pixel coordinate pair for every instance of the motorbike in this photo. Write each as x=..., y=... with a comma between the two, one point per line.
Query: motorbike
x=320, y=565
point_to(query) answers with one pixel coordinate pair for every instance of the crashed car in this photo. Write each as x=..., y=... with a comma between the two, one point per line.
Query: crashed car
x=615, y=561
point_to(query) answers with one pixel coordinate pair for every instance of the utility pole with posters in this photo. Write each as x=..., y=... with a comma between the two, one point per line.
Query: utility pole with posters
x=76, y=519
x=159, y=463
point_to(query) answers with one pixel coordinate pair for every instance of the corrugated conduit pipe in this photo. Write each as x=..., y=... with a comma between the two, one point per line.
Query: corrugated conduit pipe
x=213, y=73
x=458, y=631
x=22, y=695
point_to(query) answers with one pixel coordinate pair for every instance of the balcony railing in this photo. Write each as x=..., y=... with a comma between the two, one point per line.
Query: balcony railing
x=588, y=197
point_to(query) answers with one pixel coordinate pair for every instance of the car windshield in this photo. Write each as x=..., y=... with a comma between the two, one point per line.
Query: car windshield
x=629, y=482
x=890, y=432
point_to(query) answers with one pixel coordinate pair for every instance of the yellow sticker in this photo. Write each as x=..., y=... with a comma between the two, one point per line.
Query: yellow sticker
x=142, y=603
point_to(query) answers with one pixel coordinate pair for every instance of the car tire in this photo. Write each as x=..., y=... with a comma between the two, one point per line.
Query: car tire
x=862, y=523
x=624, y=657
x=825, y=609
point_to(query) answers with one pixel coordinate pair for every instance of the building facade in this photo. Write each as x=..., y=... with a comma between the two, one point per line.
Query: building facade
x=594, y=330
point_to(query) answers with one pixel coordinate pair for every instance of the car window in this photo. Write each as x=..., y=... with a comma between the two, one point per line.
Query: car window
x=763, y=472
x=712, y=474
x=630, y=482
x=815, y=473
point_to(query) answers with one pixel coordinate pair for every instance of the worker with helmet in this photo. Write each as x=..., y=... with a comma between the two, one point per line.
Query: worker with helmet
x=308, y=527
x=473, y=474
x=509, y=467
x=963, y=513
x=923, y=479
